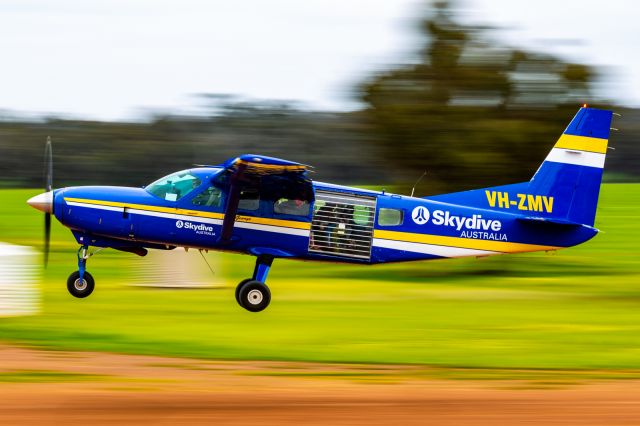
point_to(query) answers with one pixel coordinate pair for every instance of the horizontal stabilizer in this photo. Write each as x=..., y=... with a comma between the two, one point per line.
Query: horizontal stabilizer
x=555, y=221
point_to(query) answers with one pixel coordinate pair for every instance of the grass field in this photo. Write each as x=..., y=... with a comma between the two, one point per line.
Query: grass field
x=576, y=309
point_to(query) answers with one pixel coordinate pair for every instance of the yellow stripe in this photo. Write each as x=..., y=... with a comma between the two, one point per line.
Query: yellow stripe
x=271, y=166
x=273, y=222
x=498, y=246
x=196, y=213
x=582, y=143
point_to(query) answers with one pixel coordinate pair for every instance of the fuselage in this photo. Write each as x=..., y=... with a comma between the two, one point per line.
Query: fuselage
x=342, y=224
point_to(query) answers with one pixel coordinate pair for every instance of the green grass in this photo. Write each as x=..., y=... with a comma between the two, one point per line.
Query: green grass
x=44, y=376
x=576, y=309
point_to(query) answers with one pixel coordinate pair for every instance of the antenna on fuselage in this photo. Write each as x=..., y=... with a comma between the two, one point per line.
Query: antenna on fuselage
x=417, y=182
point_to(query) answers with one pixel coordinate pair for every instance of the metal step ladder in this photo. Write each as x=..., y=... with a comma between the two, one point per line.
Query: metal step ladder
x=342, y=224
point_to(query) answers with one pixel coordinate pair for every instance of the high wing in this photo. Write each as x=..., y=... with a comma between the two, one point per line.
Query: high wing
x=273, y=178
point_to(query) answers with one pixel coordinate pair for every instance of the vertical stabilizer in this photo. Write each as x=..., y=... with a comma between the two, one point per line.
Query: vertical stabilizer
x=572, y=172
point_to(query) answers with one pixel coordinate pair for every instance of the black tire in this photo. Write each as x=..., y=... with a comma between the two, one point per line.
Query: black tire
x=254, y=296
x=246, y=280
x=77, y=289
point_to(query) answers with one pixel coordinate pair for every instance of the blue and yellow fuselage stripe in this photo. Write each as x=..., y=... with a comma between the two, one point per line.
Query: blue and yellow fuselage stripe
x=193, y=213
x=379, y=234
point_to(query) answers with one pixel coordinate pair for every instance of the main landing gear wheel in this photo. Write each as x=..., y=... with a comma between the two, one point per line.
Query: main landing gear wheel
x=253, y=295
x=80, y=288
x=238, y=289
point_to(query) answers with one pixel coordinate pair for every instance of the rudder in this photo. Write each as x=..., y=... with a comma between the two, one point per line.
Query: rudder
x=571, y=173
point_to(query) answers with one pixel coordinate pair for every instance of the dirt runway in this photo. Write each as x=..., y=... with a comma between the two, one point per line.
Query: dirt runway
x=51, y=387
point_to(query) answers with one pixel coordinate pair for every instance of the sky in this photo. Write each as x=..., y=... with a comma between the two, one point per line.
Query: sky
x=121, y=59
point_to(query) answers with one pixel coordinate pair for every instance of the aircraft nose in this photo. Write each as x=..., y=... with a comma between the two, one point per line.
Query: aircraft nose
x=42, y=202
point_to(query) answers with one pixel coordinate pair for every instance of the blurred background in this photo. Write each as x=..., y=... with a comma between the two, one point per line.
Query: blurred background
x=472, y=91
x=370, y=93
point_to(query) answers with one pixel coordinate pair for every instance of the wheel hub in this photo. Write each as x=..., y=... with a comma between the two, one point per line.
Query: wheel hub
x=80, y=285
x=255, y=297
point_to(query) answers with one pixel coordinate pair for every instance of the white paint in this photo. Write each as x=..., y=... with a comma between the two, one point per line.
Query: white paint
x=579, y=158
x=443, y=251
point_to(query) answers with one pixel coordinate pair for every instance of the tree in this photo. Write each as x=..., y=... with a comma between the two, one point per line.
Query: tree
x=470, y=109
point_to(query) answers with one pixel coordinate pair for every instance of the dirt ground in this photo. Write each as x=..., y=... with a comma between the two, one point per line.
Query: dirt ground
x=51, y=387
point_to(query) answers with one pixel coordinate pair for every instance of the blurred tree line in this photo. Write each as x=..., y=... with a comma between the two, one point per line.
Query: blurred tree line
x=468, y=109
x=338, y=145
x=472, y=111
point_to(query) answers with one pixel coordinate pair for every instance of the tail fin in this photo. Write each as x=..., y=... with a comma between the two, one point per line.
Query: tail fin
x=570, y=176
x=566, y=186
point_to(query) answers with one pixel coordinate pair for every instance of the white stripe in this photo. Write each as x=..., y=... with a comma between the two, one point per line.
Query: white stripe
x=93, y=206
x=579, y=158
x=435, y=250
x=176, y=216
x=245, y=225
x=271, y=228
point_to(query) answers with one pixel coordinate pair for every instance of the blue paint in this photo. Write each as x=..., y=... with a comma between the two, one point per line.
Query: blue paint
x=82, y=261
x=463, y=216
x=590, y=122
x=262, y=271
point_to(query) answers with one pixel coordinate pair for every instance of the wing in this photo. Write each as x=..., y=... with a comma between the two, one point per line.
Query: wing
x=272, y=177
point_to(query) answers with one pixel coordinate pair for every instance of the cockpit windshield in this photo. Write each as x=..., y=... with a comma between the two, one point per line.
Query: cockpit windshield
x=174, y=186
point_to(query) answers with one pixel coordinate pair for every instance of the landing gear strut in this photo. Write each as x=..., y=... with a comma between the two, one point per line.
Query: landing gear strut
x=252, y=293
x=80, y=283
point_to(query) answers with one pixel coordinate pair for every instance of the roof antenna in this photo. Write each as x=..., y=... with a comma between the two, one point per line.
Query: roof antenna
x=417, y=182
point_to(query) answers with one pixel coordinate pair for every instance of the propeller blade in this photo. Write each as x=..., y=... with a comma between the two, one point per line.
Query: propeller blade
x=48, y=166
x=48, y=185
x=47, y=237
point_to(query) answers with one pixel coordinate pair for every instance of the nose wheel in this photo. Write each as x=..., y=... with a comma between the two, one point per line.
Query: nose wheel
x=80, y=283
x=80, y=287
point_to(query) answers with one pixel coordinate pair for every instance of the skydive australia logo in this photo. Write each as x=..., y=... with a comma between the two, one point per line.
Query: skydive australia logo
x=200, y=228
x=470, y=227
x=420, y=215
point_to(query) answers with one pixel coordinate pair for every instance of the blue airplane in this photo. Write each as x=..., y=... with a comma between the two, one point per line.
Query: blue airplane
x=270, y=208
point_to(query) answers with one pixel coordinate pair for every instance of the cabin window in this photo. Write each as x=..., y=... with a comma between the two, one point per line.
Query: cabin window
x=292, y=207
x=249, y=199
x=210, y=197
x=389, y=217
x=174, y=186
x=362, y=215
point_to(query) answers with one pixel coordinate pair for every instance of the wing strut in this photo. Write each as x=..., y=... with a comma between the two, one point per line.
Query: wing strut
x=231, y=209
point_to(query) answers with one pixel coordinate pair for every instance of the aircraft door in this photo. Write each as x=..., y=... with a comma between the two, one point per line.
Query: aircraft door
x=342, y=224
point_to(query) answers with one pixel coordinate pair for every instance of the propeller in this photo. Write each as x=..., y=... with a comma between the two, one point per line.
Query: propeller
x=48, y=183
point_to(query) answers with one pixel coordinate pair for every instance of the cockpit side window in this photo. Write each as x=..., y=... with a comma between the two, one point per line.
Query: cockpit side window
x=249, y=199
x=174, y=186
x=210, y=197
